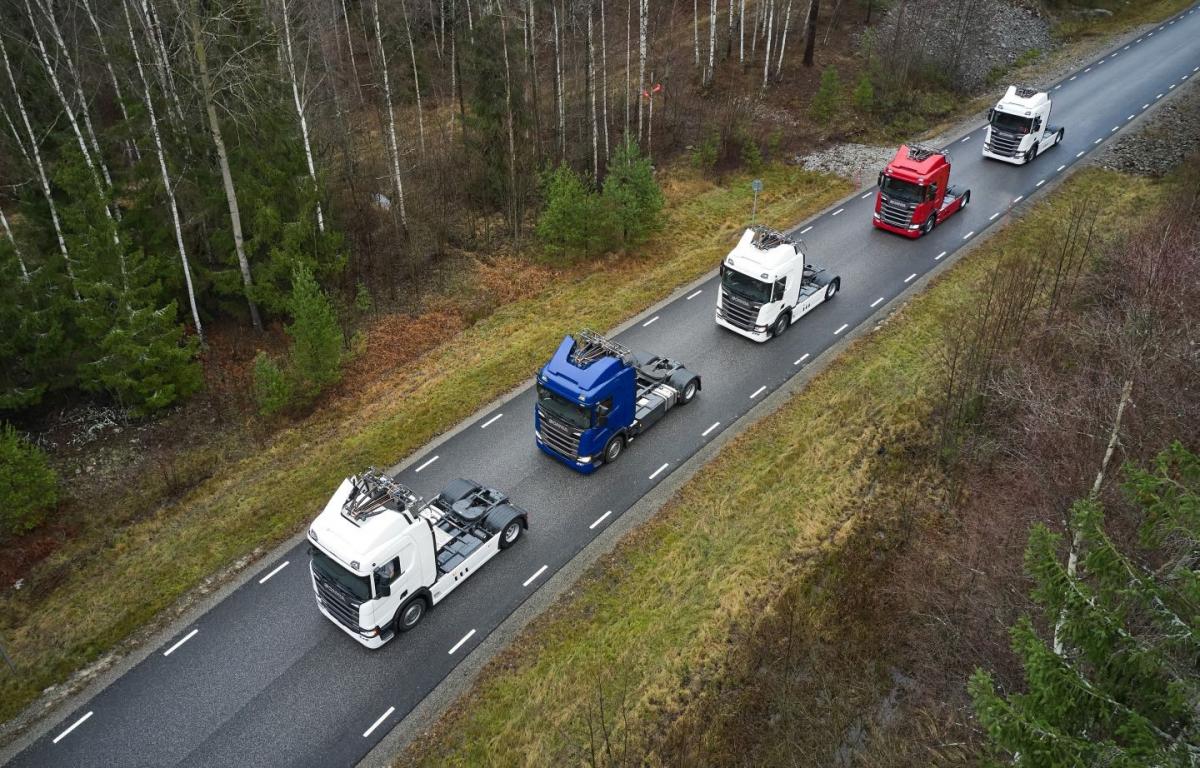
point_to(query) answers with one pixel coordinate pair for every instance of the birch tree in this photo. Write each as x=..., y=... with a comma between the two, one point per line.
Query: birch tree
x=643, y=29
x=767, y=43
x=112, y=75
x=393, y=149
x=148, y=100
x=207, y=94
x=416, y=75
x=16, y=248
x=696, y=32
x=787, y=20
x=742, y=32
x=34, y=151
x=512, y=144
x=558, y=86
x=604, y=73
x=591, y=86
x=299, y=101
x=712, y=40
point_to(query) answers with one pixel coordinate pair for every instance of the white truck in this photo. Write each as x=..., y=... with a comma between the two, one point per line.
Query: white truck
x=381, y=557
x=767, y=284
x=1019, y=126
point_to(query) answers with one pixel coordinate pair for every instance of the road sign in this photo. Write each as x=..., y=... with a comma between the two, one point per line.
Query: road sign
x=756, y=185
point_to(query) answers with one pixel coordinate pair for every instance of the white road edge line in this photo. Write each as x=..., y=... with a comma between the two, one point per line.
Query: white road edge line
x=1159, y=96
x=805, y=229
x=876, y=302
x=1114, y=129
x=1058, y=86
x=1059, y=168
x=1018, y=199
x=1089, y=69
x=458, y=645
x=1080, y=153
x=1040, y=183
x=600, y=519
x=1145, y=106
x=1097, y=141
x=939, y=256
x=492, y=420
x=864, y=197
x=1130, y=117
x=965, y=139
x=278, y=568
x=660, y=469
x=187, y=637
x=1074, y=76
x=694, y=295
x=426, y=464
x=540, y=571
x=74, y=725
x=968, y=235
x=651, y=320
x=758, y=391
x=715, y=424
x=376, y=724
x=839, y=330
x=993, y=216
x=802, y=359
x=910, y=277
x=839, y=210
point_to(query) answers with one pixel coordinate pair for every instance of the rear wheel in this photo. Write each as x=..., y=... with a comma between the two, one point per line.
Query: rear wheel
x=510, y=534
x=411, y=614
x=613, y=449
x=832, y=289
x=781, y=324
x=1062, y=134
x=689, y=392
x=966, y=199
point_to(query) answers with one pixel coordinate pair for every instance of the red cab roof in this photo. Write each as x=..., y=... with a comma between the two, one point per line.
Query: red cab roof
x=905, y=164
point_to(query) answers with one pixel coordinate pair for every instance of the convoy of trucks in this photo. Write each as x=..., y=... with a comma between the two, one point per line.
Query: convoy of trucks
x=915, y=193
x=1019, y=126
x=767, y=284
x=595, y=396
x=381, y=556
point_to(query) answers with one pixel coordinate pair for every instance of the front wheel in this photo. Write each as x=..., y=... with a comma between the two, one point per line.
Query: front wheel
x=613, y=449
x=781, y=325
x=510, y=534
x=929, y=224
x=411, y=614
x=1030, y=154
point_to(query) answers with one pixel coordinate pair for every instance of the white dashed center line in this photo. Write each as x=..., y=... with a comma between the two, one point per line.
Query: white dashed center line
x=1089, y=69
x=651, y=320
x=939, y=256
x=377, y=723
x=1130, y=117
x=1114, y=129
x=74, y=725
x=1058, y=86
x=1040, y=183
x=965, y=139
x=458, y=645
x=278, y=568
x=802, y=359
x=1159, y=96
x=1097, y=141
x=805, y=229
x=910, y=277
x=660, y=469
x=1080, y=153
x=694, y=295
x=187, y=637
x=1059, y=168
x=1074, y=76
x=426, y=464
x=715, y=424
x=876, y=302
x=993, y=216
x=600, y=519
x=968, y=235
x=1018, y=199
x=539, y=572
x=1145, y=106
x=864, y=197
x=492, y=420
x=758, y=392
x=839, y=210
x=839, y=330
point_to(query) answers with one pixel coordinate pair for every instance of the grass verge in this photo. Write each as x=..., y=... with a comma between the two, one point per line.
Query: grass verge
x=84, y=600
x=648, y=628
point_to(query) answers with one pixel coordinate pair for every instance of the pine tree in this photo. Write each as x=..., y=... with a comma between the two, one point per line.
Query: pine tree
x=316, y=354
x=632, y=196
x=829, y=95
x=572, y=220
x=28, y=486
x=1123, y=691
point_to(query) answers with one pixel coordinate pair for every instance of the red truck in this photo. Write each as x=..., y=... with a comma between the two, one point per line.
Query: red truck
x=915, y=192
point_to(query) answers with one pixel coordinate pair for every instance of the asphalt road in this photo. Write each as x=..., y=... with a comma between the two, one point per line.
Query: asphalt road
x=264, y=679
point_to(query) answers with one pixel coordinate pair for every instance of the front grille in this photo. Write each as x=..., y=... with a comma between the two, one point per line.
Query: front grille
x=739, y=312
x=895, y=213
x=1005, y=144
x=560, y=436
x=337, y=600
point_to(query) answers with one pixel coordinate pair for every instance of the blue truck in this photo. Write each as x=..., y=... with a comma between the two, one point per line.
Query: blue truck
x=595, y=396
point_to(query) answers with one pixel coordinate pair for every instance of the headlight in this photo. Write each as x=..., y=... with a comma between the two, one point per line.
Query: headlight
x=760, y=328
x=585, y=459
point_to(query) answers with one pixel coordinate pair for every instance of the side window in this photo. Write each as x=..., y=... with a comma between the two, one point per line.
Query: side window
x=932, y=191
x=780, y=287
x=603, y=408
x=1037, y=124
x=388, y=572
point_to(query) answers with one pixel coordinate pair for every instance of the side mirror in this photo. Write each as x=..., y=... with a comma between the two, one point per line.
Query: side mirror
x=991, y=114
x=602, y=412
x=1037, y=124
x=879, y=182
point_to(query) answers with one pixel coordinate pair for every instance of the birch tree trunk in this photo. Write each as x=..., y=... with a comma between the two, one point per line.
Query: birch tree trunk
x=810, y=33
x=531, y=56
x=166, y=176
x=591, y=86
x=643, y=28
x=159, y=49
x=742, y=32
x=767, y=46
x=36, y=154
x=604, y=73
x=787, y=20
x=512, y=143
x=16, y=248
x=712, y=40
x=298, y=101
x=112, y=75
x=350, y=47
x=558, y=86
x=214, y=126
x=628, y=60
x=412, y=52
x=387, y=97
x=16, y=136
x=696, y=32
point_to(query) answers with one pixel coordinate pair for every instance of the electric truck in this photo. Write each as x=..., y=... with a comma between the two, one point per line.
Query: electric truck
x=915, y=193
x=1019, y=126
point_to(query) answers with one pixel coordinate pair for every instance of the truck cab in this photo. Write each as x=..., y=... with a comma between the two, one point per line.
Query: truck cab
x=915, y=193
x=380, y=557
x=1019, y=126
x=595, y=396
x=767, y=284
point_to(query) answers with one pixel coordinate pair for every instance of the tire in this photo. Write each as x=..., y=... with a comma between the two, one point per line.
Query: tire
x=613, y=449
x=929, y=224
x=1062, y=134
x=1030, y=154
x=510, y=534
x=832, y=289
x=689, y=392
x=781, y=325
x=411, y=614
x=966, y=199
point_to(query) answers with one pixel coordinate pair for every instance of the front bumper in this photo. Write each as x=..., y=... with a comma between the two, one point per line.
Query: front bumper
x=582, y=467
x=759, y=336
x=912, y=231
x=375, y=640
x=1019, y=159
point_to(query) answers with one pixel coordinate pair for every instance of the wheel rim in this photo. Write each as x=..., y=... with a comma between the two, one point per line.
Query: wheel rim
x=614, y=450
x=832, y=290
x=928, y=227
x=412, y=614
x=512, y=532
x=689, y=391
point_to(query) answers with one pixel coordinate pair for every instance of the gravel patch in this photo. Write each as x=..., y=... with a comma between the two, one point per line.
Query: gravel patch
x=858, y=162
x=1159, y=145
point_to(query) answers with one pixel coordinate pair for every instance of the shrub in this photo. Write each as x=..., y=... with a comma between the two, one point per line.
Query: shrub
x=272, y=390
x=316, y=360
x=864, y=93
x=704, y=155
x=751, y=155
x=829, y=95
x=632, y=196
x=28, y=486
x=572, y=221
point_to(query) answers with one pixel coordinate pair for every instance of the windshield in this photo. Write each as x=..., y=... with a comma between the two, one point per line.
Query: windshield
x=572, y=413
x=903, y=190
x=745, y=286
x=359, y=586
x=1010, y=123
